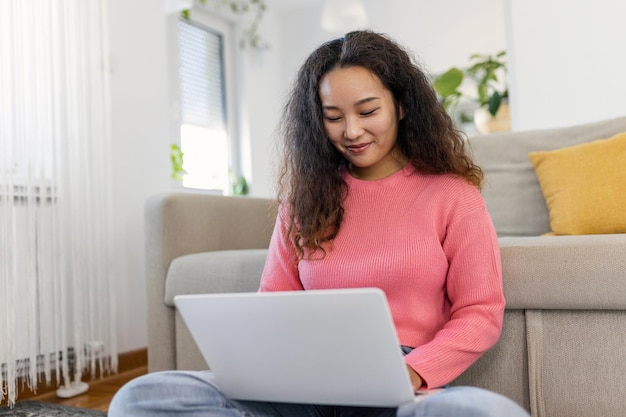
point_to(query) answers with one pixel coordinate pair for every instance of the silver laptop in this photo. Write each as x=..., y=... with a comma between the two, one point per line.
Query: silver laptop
x=335, y=347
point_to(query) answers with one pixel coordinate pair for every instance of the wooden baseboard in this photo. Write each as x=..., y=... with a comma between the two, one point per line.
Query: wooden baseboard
x=127, y=361
x=134, y=359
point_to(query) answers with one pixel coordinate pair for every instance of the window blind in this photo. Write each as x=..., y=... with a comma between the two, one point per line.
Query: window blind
x=203, y=99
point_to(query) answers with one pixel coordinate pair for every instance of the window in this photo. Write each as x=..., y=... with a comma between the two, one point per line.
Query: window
x=204, y=130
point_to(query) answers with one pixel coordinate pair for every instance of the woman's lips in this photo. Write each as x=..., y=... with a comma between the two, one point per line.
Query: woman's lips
x=357, y=149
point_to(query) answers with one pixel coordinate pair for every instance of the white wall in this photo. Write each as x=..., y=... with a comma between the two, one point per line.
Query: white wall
x=567, y=61
x=140, y=154
x=142, y=118
x=262, y=101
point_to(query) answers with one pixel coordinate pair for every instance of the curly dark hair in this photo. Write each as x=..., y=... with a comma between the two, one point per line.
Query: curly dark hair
x=310, y=180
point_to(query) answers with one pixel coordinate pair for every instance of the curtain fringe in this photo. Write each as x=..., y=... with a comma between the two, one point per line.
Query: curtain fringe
x=55, y=192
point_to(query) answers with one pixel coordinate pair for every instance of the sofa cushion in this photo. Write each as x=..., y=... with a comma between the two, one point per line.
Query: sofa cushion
x=215, y=272
x=585, y=186
x=578, y=272
x=512, y=192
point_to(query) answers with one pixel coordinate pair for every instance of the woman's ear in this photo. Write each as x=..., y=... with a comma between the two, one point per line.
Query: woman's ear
x=400, y=112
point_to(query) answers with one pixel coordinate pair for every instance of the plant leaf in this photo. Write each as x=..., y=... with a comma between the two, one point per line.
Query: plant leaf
x=494, y=103
x=177, y=161
x=448, y=82
x=240, y=187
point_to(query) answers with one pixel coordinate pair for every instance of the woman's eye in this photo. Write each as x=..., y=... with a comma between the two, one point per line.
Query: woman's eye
x=332, y=118
x=368, y=112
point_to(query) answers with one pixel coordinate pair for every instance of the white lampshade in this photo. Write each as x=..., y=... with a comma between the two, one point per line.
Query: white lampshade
x=342, y=16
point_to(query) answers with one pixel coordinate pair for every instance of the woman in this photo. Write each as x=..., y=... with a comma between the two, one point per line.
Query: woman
x=376, y=190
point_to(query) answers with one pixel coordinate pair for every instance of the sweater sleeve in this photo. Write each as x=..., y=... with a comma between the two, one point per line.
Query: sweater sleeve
x=281, y=266
x=474, y=290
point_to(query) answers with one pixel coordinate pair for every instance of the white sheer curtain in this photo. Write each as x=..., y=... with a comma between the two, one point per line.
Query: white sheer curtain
x=56, y=297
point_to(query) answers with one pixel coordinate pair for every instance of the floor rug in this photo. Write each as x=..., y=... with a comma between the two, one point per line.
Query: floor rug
x=44, y=409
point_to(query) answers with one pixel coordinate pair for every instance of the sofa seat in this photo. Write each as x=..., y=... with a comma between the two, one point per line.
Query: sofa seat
x=204, y=273
x=591, y=271
x=214, y=272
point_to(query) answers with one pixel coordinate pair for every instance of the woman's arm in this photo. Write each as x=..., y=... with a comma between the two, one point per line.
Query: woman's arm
x=281, y=266
x=474, y=290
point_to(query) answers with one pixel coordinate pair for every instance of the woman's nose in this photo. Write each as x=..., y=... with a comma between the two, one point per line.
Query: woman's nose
x=353, y=128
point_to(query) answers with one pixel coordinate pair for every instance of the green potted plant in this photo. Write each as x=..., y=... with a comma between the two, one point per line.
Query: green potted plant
x=487, y=73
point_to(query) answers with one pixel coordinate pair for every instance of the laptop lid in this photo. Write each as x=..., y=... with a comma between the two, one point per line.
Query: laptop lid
x=335, y=347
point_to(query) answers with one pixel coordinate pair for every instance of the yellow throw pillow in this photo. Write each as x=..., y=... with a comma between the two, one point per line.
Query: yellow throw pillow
x=585, y=186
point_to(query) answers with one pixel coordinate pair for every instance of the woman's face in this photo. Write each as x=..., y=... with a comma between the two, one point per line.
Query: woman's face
x=361, y=121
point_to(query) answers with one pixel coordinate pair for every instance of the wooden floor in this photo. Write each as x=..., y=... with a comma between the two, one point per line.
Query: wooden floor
x=100, y=391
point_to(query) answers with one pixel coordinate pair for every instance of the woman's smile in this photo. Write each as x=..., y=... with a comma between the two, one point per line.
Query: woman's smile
x=358, y=149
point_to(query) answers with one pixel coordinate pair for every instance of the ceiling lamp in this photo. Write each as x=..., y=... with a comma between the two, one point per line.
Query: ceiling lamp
x=341, y=16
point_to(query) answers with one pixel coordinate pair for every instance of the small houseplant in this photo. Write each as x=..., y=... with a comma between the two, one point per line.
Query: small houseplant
x=488, y=73
x=177, y=160
x=251, y=34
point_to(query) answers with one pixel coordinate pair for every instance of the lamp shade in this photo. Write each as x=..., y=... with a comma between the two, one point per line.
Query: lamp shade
x=342, y=16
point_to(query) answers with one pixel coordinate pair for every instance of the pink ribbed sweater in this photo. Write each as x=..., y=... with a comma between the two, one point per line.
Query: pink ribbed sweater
x=429, y=243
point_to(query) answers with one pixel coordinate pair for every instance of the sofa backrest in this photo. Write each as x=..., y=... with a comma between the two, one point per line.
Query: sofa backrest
x=511, y=190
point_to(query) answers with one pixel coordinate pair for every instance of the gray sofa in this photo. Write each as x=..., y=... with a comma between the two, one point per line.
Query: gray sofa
x=563, y=348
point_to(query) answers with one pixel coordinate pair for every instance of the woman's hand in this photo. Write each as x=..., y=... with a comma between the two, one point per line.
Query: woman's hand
x=416, y=380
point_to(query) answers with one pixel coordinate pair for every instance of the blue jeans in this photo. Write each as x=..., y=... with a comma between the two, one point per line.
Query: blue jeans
x=195, y=394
